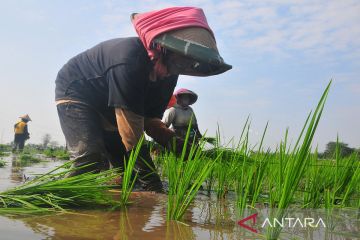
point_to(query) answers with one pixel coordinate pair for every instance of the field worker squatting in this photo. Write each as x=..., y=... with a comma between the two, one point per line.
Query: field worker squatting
x=110, y=94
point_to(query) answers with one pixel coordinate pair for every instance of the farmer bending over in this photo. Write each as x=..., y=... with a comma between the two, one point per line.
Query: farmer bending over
x=110, y=94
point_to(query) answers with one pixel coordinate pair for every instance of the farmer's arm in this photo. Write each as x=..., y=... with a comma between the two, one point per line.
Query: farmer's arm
x=156, y=129
x=130, y=126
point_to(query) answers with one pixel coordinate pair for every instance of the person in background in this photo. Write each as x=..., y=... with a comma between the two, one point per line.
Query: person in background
x=21, y=133
x=181, y=115
x=110, y=94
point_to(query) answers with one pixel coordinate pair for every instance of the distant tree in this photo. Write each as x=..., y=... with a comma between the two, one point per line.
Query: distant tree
x=46, y=140
x=344, y=149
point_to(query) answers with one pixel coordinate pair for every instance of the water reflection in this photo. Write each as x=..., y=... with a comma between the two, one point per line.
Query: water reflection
x=17, y=170
x=144, y=218
x=207, y=218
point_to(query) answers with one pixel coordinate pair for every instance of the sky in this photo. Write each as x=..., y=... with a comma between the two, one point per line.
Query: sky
x=283, y=54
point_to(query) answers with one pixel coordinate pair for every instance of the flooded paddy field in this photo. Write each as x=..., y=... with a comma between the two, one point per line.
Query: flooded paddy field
x=145, y=218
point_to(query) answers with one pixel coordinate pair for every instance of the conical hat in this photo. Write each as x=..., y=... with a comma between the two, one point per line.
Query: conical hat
x=183, y=91
x=26, y=117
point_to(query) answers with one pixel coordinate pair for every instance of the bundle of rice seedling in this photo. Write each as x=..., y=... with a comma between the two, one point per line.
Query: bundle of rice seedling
x=54, y=191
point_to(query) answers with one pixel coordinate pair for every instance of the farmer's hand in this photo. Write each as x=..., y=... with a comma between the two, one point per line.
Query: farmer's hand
x=156, y=129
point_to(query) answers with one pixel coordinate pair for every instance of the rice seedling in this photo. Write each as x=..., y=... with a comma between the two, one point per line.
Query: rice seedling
x=313, y=185
x=262, y=160
x=296, y=163
x=25, y=157
x=2, y=163
x=331, y=182
x=227, y=169
x=222, y=177
x=4, y=154
x=245, y=173
x=243, y=187
x=209, y=182
x=352, y=188
x=129, y=177
x=185, y=177
x=5, y=148
x=344, y=174
x=53, y=192
x=58, y=153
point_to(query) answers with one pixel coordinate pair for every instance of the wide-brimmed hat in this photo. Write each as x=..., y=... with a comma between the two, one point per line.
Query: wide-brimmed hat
x=183, y=91
x=198, y=44
x=26, y=117
x=182, y=30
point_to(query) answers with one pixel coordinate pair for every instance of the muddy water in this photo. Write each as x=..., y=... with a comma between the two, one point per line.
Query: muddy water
x=144, y=219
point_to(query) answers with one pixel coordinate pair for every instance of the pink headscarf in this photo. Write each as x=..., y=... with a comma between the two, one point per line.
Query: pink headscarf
x=151, y=24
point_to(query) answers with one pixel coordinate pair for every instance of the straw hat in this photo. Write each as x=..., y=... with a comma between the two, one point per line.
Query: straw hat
x=26, y=117
x=183, y=91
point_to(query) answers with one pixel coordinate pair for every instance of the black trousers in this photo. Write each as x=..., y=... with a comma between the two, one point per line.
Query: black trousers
x=89, y=143
x=19, y=141
x=86, y=140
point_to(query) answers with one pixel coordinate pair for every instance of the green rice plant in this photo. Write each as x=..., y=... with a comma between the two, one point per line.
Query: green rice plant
x=209, y=183
x=262, y=161
x=4, y=154
x=353, y=186
x=296, y=163
x=59, y=153
x=245, y=171
x=25, y=158
x=185, y=177
x=339, y=179
x=221, y=170
x=2, y=163
x=54, y=192
x=344, y=172
x=243, y=187
x=128, y=178
x=227, y=168
x=49, y=152
x=314, y=184
x=5, y=148
x=29, y=149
